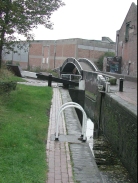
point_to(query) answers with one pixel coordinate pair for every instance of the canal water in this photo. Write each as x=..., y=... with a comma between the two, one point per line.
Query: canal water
x=110, y=166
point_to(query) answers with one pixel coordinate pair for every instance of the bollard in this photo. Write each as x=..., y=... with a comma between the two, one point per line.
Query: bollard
x=49, y=80
x=121, y=84
x=107, y=88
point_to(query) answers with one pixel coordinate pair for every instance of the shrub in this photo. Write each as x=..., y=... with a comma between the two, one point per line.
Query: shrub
x=6, y=87
x=112, y=81
x=99, y=63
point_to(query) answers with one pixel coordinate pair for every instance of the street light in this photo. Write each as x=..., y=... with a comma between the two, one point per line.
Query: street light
x=54, y=53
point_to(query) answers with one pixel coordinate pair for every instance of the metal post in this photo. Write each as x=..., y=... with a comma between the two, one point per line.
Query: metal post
x=107, y=88
x=121, y=84
x=49, y=80
x=100, y=115
x=54, y=54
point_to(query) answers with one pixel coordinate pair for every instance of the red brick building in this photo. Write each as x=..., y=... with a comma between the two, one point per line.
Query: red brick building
x=126, y=42
x=50, y=54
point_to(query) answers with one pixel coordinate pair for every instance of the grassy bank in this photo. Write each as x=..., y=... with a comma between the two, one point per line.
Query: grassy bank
x=6, y=75
x=24, y=119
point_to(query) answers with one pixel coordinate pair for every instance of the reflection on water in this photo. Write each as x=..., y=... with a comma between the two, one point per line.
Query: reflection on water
x=89, y=134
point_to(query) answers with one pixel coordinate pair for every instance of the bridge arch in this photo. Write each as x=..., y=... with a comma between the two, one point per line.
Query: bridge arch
x=69, y=65
x=87, y=65
x=74, y=66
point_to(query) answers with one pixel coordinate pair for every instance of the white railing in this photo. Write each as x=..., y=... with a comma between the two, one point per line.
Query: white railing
x=84, y=121
x=103, y=82
x=71, y=77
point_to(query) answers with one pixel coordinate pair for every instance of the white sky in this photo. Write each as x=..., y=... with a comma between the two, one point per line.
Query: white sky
x=86, y=19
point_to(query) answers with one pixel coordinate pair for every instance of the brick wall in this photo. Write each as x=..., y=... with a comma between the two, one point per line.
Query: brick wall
x=46, y=51
x=83, y=53
x=35, y=49
x=35, y=62
x=92, y=55
x=58, y=51
x=51, y=63
x=45, y=59
x=52, y=50
x=23, y=65
x=128, y=49
x=59, y=62
x=69, y=50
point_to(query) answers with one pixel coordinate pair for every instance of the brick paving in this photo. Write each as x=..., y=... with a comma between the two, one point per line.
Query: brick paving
x=127, y=98
x=58, y=156
x=129, y=93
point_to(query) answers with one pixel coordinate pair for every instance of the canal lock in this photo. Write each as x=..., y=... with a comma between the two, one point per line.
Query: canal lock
x=109, y=164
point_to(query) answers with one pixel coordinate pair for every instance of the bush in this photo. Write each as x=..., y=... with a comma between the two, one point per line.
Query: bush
x=5, y=75
x=8, y=81
x=99, y=63
x=9, y=62
x=112, y=81
x=6, y=87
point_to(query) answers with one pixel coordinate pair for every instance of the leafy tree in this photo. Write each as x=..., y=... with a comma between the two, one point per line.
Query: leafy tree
x=100, y=60
x=21, y=16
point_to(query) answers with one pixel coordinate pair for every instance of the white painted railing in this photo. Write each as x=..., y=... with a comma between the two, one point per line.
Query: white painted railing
x=84, y=121
x=69, y=76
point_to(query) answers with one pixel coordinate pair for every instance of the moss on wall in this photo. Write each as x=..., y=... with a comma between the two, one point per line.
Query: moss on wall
x=119, y=125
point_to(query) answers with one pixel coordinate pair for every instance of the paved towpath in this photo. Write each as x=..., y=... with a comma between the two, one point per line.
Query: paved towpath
x=128, y=97
x=58, y=154
x=68, y=150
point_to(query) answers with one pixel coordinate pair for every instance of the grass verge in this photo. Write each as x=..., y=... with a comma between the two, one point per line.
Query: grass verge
x=24, y=119
x=6, y=75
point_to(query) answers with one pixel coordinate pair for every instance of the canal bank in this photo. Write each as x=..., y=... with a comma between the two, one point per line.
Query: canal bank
x=114, y=113
x=76, y=159
x=93, y=161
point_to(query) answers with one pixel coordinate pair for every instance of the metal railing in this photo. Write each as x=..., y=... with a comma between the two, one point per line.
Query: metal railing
x=84, y=121
x=71, y=77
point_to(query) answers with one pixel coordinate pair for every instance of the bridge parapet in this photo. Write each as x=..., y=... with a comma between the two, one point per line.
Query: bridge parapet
x=69, y=65
x=87, y=64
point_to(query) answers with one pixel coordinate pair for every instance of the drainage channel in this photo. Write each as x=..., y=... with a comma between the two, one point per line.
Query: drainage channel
x=110, y=166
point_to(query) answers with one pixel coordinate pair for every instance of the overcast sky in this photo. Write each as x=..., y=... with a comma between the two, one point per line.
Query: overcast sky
x=86, y=19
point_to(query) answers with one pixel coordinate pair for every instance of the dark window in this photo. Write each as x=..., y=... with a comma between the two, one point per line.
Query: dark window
x=127, y=31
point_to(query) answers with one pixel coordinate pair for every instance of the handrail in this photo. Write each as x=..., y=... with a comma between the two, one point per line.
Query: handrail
x=72, y=75
x=73, y=104
x=84, y=117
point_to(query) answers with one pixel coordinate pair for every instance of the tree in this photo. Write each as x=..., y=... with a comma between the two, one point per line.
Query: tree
x=99, y=63
x=21, y=16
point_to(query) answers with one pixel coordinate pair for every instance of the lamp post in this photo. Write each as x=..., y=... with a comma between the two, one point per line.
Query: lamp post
x=54, y=53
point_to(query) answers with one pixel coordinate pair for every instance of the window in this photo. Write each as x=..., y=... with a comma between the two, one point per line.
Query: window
x=127, y=31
